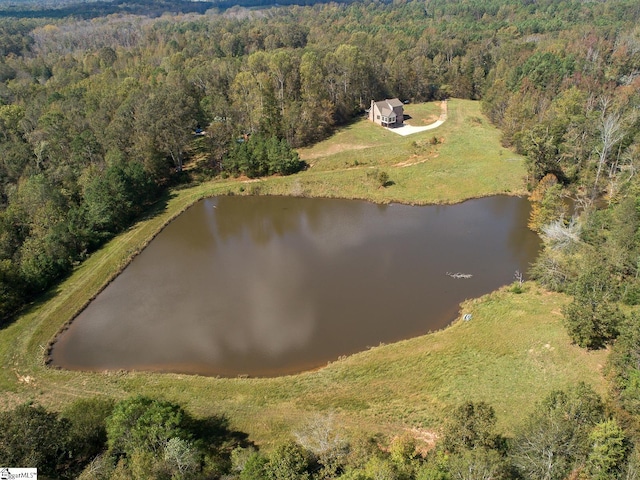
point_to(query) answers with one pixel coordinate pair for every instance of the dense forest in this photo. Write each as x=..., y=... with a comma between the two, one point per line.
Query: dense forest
x=57, y=9
x=99, y=118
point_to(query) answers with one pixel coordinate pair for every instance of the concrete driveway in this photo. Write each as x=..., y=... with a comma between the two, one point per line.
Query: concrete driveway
x=405, y=129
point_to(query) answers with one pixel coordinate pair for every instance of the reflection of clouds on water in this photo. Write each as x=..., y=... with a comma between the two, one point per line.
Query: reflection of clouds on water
x=275, y=316
x=277, y=322
x=256, y=295
x=332, y=234
x=251, y=285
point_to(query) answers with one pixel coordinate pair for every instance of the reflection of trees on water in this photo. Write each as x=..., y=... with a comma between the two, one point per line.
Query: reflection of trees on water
x=504, y=209
x=266, y=217
x=520, y=241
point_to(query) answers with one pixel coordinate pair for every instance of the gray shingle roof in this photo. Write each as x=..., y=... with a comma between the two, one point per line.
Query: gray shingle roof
x=386, y=106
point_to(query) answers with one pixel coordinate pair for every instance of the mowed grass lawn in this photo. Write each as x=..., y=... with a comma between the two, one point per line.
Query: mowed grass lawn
x=467, y=162
x=511, y=354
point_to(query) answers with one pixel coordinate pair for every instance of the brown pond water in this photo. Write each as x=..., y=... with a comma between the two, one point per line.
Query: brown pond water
x=264, y=286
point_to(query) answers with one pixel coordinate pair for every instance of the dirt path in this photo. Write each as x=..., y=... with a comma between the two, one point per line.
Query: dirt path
x=411, y=162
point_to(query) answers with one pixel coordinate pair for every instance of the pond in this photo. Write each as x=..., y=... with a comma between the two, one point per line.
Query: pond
x=266, y=286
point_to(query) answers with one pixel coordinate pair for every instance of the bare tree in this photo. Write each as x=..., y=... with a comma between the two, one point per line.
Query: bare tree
x=611, y=133
x=320, y=436
x=559, y=235
x=625, y=164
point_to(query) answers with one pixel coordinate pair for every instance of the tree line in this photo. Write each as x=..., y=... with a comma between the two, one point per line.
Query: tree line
x=48, y=9
x=569, y=434
x=97, y=8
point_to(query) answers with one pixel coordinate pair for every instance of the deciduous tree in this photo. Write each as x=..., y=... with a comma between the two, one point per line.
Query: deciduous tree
x=142, y=423
x=555, y=437
x=470, y=426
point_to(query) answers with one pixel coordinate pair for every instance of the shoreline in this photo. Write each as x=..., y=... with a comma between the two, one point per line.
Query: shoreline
x=47, y=358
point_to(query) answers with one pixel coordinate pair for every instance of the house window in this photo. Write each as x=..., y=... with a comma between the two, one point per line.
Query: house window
x=377, y=117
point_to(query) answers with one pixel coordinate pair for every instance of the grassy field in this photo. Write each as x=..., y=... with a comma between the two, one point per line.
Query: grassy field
x=511, y=354
x=467, y=162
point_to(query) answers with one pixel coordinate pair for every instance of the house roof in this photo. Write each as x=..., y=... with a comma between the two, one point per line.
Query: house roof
x=386, y=106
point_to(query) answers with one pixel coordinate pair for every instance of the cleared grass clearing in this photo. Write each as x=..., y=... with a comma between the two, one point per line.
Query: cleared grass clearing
x=511, y=354
x=467, y=162
x=422, y=113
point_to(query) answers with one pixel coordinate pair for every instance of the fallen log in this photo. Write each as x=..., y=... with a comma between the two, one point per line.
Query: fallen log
x=459, y=275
